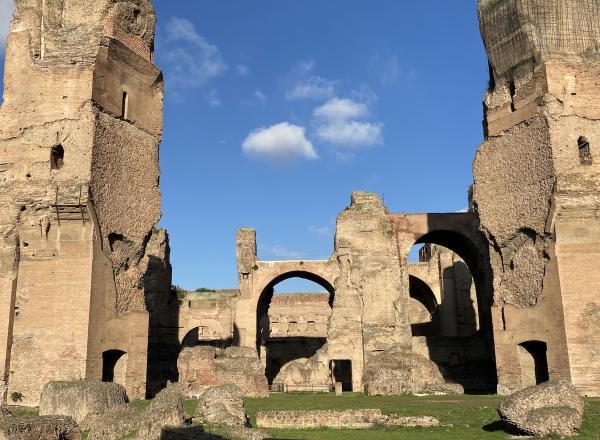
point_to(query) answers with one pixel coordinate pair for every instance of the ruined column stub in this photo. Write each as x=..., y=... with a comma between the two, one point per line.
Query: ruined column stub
x=246, y=250
x=536, y=184
x=80, y=128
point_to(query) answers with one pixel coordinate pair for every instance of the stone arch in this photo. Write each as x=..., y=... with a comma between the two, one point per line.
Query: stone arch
x=114, y=366
x=422, y=294
x=266, y=294
x=460, y=233
x=475, y=258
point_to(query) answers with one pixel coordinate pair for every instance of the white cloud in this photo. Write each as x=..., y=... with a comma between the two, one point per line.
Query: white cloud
x=305, y=85
x=282, y=142
x=338, y=122
x=277, y=251
x=337, y=109
x=351, y=133
x=190, y=59
x=314, y=87
x=6, y=9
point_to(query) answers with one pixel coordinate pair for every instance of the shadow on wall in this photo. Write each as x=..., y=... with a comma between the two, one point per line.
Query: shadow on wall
x=163, y=339
x=469, y=361
x=280, y=351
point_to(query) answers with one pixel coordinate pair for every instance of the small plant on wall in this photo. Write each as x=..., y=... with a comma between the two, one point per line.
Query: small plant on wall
x=15, y=396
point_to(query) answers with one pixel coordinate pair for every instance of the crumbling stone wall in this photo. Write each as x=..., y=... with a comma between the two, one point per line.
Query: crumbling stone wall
x=79, y=132
x=202, y=367
x=534, y=193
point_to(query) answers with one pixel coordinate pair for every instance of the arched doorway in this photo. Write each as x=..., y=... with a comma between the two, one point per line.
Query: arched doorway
x=460, y=338
x=114, y=366
x=423, y=308
x=533, y=362
x=292, y=317
x=199, y=336
x=472, y=266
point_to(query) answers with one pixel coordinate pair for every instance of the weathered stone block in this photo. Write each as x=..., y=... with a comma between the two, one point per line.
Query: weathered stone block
x=550, y=408
x=80, y=398
x=38, y=428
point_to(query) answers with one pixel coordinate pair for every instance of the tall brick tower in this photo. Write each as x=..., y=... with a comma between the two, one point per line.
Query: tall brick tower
x=537, y=188
x=80, y=129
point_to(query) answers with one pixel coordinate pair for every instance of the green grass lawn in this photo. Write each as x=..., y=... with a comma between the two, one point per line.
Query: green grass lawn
x=468, y=417
x=465, y=417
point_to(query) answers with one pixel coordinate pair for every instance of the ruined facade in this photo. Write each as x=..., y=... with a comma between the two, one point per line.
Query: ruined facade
x=437, y=308
x=536, y=188
x=505, y=294
x=81, y=262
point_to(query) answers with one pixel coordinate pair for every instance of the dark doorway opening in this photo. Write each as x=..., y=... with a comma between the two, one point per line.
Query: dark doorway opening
x=110, y=363
x=57, y=157
x=533, y=361
x=342, y=372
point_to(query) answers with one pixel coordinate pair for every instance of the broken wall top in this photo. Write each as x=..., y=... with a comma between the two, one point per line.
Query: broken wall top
x=515, y=31
x=72, y=30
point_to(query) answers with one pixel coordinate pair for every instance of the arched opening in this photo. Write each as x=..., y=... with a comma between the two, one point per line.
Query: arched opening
x=114, y=366
x=292, y=317
x=201, y=336
x=585, y=154
x=450, y=276
x=533, y=361
x=423, y=308
x=57, y=157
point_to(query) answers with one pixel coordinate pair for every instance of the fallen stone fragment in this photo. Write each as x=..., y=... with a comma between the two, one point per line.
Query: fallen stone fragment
x=553, y=407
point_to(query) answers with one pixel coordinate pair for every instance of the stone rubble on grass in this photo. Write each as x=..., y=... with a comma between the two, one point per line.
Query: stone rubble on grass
x=222, y=405
x=39, y=428
x=399, y=371
x=348, y=419
x=552, y=408
x=77, y=399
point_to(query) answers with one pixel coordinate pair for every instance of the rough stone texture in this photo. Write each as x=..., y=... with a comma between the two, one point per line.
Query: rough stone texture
x=410, y=421
x=398, y=371
x=4, y=412
x=80, y=125
x=299, y=315
x=204, y=367
x=518, y=30
x=552, y=408
x=370, y=309
x=37, y=428
x=115, y=423
x=78, y=399
x=166, y=409
x=536, y=186
x=308, y=374
x=349, y=419
x=222, y=405
x=369, y=284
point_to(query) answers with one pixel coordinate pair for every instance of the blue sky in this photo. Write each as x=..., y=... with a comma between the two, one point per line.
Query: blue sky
x=276, y=110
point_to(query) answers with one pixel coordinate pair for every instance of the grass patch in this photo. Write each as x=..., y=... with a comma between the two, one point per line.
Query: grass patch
x=468, y=417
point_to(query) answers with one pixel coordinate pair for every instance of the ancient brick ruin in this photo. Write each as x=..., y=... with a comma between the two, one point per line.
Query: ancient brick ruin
x=503, y=296
x=80, y=259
